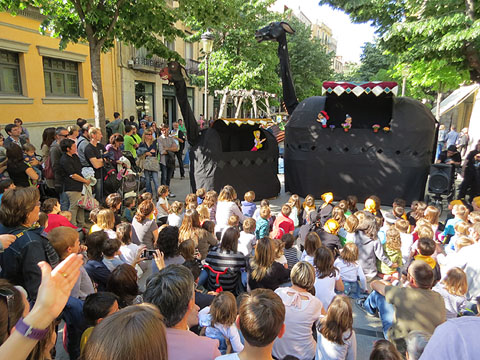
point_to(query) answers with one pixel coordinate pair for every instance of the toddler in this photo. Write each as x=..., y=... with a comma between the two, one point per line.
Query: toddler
x=453, y=289
x=290, y=252
x=162, y=204
x=247, y=237
x=66, y=214
x=350, y=271
x=200, y=195
x=30, y=158
x=174, y=218
x=296, y=214
x=262, y=228
x=351, y=225
x=402, y=226
x=129, y=212
x=219, y=320
x=312, y=243
x=248, y=206
x=211, y=203
x=283, y=224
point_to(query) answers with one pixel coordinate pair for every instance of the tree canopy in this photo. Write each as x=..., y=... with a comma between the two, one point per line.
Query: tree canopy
x=431, y=30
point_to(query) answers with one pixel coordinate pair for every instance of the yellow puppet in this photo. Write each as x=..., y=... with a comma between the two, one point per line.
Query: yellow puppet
x=257, y=143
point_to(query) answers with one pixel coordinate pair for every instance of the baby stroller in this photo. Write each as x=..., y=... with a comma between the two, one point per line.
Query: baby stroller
x=130, y=181
x=111, y=183
x=133, y=165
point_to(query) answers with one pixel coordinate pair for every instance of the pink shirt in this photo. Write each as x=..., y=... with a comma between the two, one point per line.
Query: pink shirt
x=284, y=223
x=186, y=345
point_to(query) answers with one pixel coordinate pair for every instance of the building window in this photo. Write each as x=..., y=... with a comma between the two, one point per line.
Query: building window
x=191, y=97
x=170, y=44
x=144, y=99
x=61, y=77
x=188, y=50
x=10, y=83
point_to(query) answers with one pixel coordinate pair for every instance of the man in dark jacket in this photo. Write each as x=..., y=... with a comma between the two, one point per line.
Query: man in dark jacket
x=179, y=138
x=471, y=177
x=55, y=154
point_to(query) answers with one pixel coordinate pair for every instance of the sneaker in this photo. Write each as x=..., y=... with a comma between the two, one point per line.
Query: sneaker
x=172, y=195
x=359, y=303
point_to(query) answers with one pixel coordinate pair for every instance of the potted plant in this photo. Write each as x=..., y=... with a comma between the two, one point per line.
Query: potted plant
x=375, y=127
x=386, y=129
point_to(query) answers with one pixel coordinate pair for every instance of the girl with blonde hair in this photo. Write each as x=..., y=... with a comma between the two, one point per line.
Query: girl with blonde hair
x=226, y=207
x=192, y=229
x=453, y=289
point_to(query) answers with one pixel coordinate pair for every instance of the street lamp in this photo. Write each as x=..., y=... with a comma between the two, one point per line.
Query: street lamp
x=207, y=42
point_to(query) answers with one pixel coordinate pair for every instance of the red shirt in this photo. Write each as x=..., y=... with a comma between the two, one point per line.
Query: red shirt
x=284, y=223
x=55, y=220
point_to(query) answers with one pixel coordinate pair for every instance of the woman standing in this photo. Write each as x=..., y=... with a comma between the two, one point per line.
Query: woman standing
x=302, y=310
x=148, y=146
x=48, y=137
x=114, y=148
x=21, y=173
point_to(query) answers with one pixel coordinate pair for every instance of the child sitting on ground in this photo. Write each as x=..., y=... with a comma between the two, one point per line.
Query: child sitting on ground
x=256, y=214
x=162, y=204
x=203, y=213
x=211, y=203
x=308, y=205
x=279, y=255
x=262, y=228
x=174, y=218
x=336, y=338
x=296, y=214
x=114, y=203
x=328, y=278
x=219, y=321
x=260, y=319
x=66, y=214
x=453, y=289
x=248, y=206
x=129, y=212
x=392, y=249
x=312, y=243
x=402, y=226
x=351, y=225
x=128, y=249
x=290, y=252
x=191, y=199
x=460, y=213
x=93, y=218
x=247, y=237
x=283, y=224
x=426, y=248
x=66, y=241
x=350, y=271
x=200, y=195
x=111, y=253
x=97, y=307
x=461, y=229
x=188, y=251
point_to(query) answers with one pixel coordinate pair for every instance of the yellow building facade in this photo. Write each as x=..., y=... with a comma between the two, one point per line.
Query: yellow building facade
x=45, y=86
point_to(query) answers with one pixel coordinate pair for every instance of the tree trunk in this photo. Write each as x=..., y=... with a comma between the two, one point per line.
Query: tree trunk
x=97, y=88
x=439, y=100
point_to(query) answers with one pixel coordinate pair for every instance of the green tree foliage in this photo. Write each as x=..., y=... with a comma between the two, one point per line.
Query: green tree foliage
x=423, y=30
x=101, y=22
x=374, y=63
x=310, y=63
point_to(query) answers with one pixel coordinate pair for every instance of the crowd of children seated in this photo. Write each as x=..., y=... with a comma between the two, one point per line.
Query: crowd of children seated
x=265, y=283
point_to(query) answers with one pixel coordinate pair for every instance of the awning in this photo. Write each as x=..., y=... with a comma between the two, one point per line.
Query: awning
x=241, y=122
x=375, y=87
x=456, y=98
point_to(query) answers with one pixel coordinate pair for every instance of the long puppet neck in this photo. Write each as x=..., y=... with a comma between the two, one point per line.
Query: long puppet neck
x=289, y=95
x=188, y=117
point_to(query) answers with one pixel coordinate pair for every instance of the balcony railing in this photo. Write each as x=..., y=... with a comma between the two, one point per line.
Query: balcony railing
x=192, y=67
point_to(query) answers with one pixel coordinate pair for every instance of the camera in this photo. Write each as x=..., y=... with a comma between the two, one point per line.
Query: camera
x=148, y=254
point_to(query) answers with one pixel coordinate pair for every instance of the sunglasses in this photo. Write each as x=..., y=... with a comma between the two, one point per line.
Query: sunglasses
x=9, y=298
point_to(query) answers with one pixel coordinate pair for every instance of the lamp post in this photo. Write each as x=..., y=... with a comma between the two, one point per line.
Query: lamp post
x=207, y=42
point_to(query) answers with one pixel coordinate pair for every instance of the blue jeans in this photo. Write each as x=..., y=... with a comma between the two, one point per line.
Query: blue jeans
x=149, y=177
x=166, y=174
x=376, y=301
x=352, y=289
x=64, y=201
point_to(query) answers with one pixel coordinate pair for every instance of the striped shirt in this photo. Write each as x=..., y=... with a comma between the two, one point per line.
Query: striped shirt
x=219, y=260
x=292, y=257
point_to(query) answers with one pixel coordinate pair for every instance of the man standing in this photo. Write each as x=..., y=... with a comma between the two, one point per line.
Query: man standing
x=166, y=144
x=55, y=155
x=172, y=291
x=452, y=136
x=117, y=126
x=94, y=155
x=129, y=143
x=179, y=138
x=82, y=142
x=403, y=309
x=73, y=180
x=13, y=132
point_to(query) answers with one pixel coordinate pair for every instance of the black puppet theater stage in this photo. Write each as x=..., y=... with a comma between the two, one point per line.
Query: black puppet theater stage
x=385, y=148
x=224, y=156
